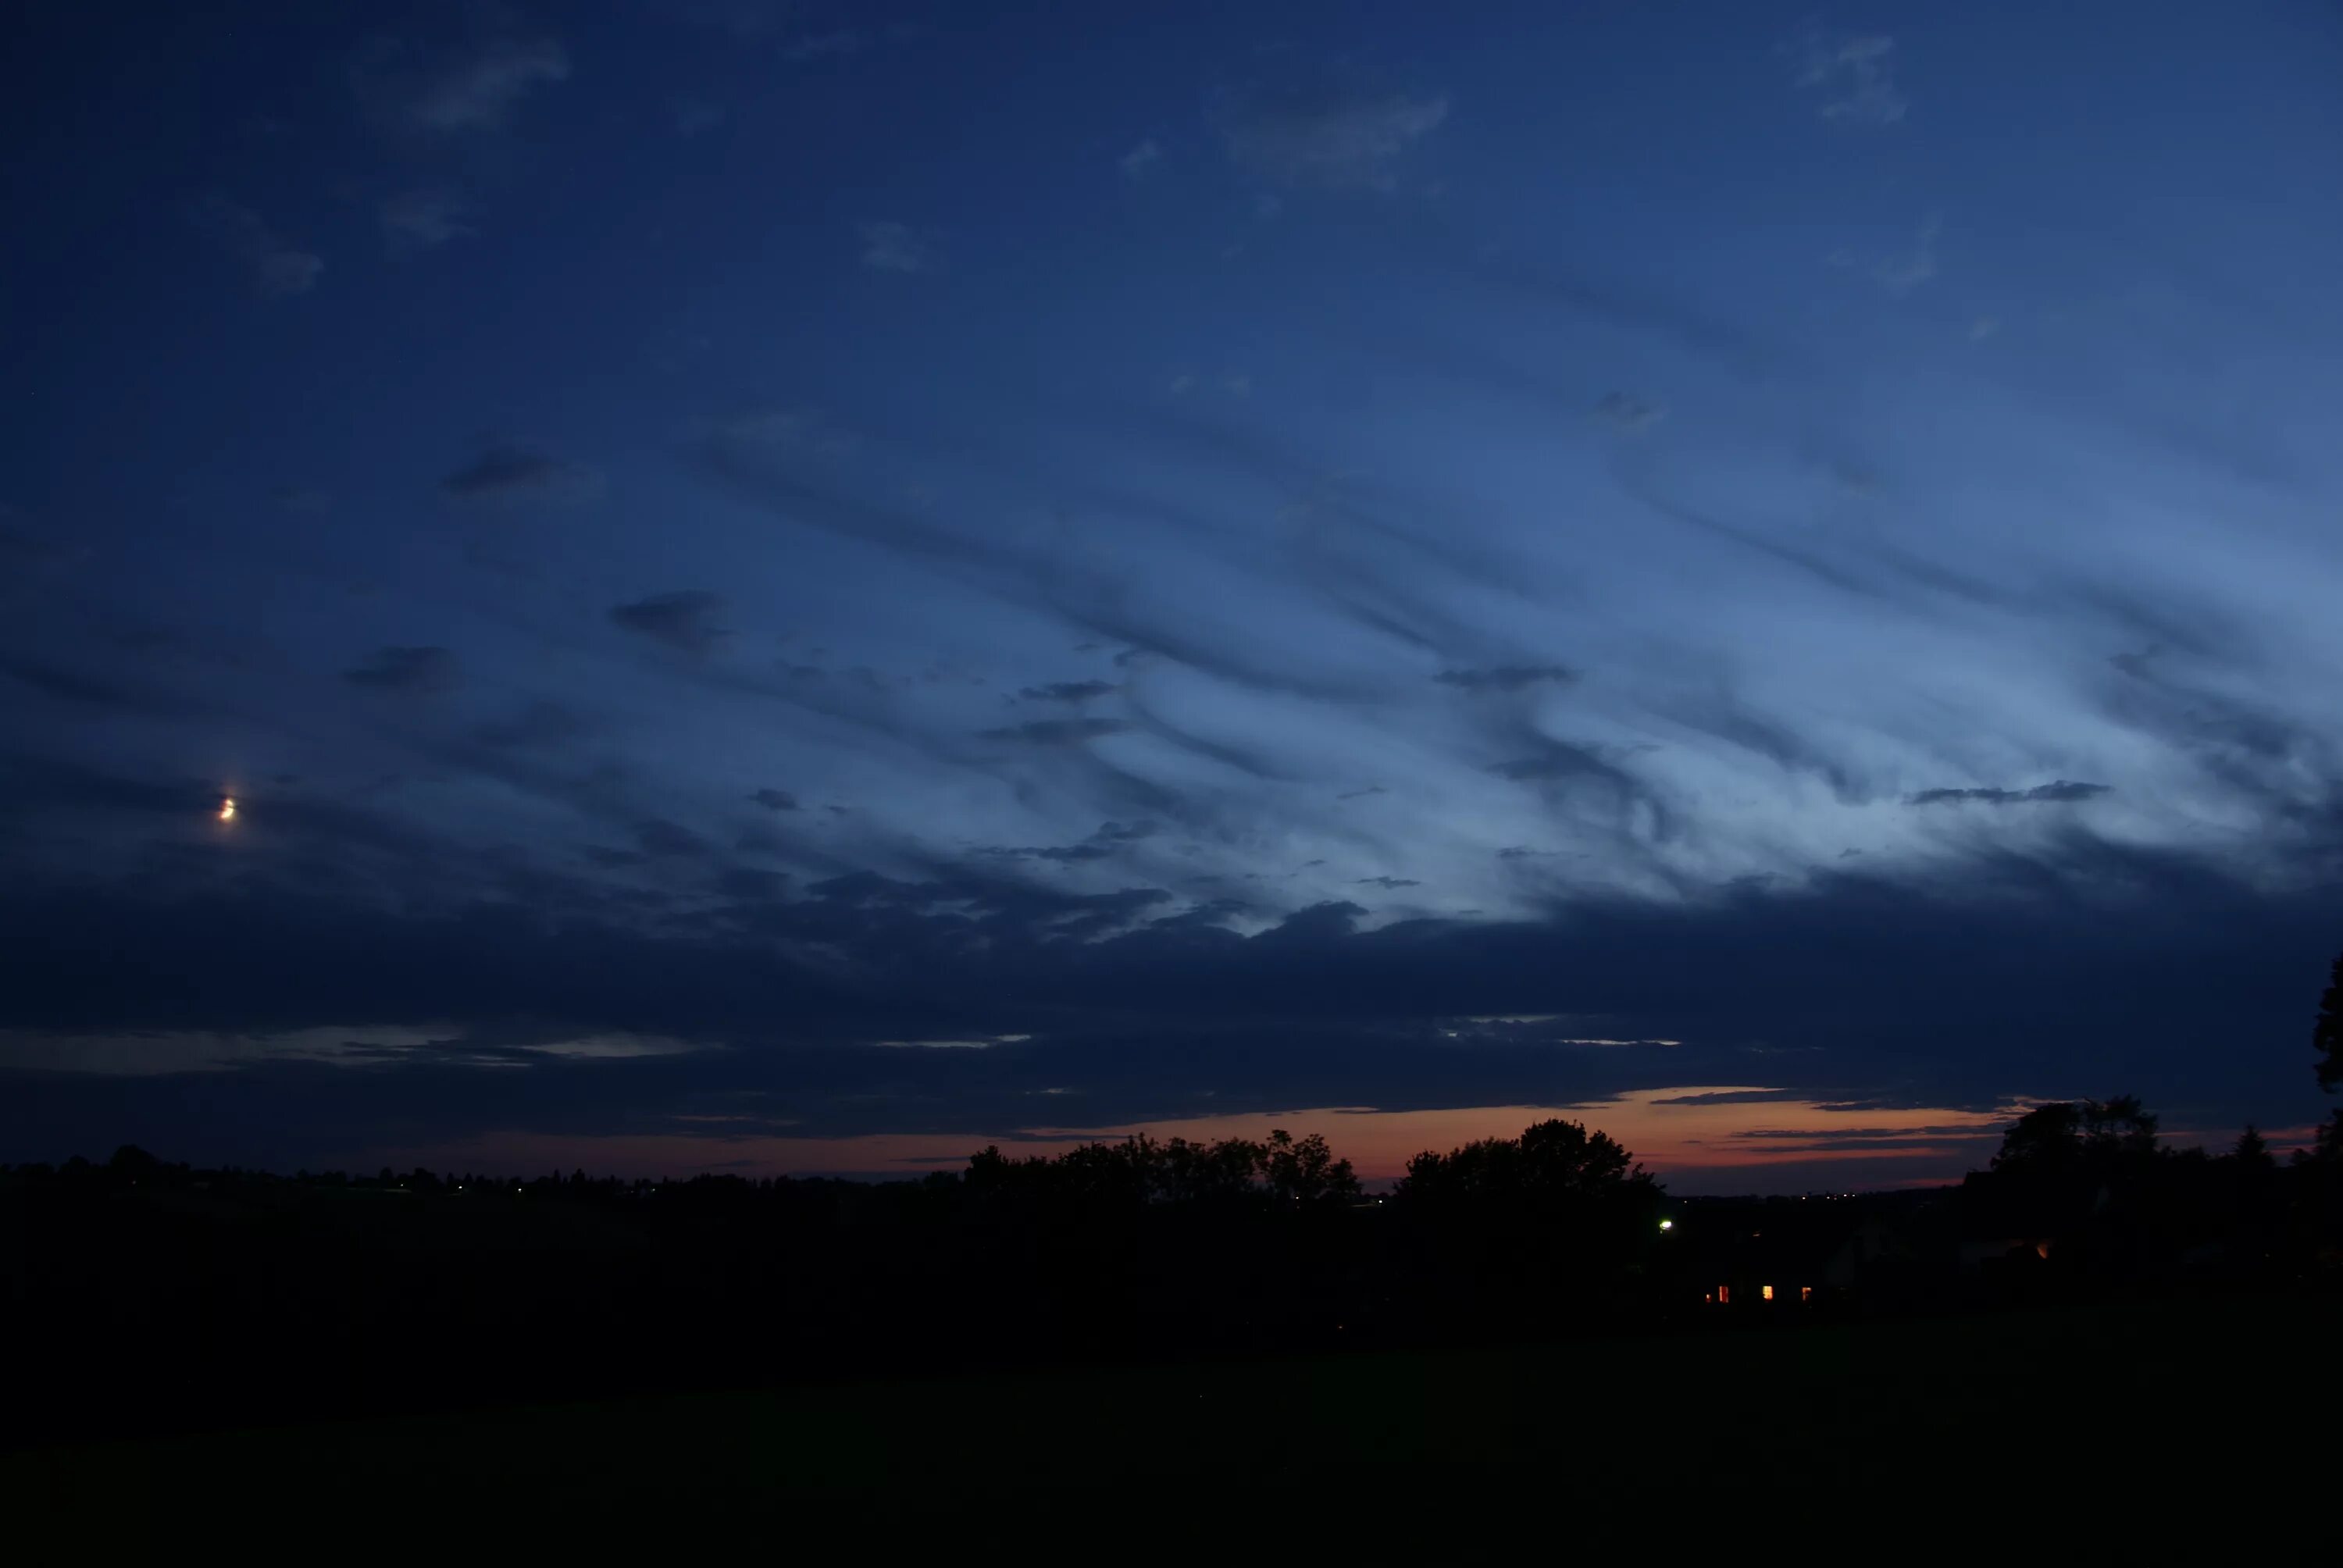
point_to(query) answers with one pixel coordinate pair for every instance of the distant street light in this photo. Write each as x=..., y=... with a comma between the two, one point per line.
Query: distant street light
x=1667, y=1224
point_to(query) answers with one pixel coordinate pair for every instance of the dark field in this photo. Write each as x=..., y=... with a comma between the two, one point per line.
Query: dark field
x=1995, y=1412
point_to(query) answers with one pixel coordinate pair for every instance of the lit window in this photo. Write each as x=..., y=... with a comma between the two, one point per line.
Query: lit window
x=1765, y=1293
x=1724, y=1295
x=1806, y=1292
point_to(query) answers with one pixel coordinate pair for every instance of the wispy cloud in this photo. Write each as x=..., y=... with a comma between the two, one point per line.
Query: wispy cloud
x=1901, y=273
x=838, y=43
x=476, y=88
x=421, y=671
x=507, y=471
x=422, y=220
x=1627, y=412
x=693, y=117
x=1856, y=77
x=1068, y=692
x=276, y=266
x=685, y=620
x=1507, y=676
x=890, y=246
x=2062, y=790
x=1136, y=163
x=1056, y=731
x=1330, y=132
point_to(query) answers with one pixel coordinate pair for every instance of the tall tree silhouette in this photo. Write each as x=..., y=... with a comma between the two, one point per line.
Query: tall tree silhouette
x=2327, y=1034
x=2119, y=1126
x=2048, y=1138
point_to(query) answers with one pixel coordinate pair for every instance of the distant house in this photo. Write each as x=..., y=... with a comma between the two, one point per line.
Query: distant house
x=1983, y=1251
x=1776, y=1254
x=1769, y=1258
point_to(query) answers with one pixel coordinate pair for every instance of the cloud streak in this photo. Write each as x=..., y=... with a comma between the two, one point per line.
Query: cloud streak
x=276, y=266
x=2059, y=793
x=686, y=619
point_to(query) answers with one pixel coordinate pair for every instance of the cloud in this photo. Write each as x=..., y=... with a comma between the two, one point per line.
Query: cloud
x=422, y=672
x=662, y=839
x=1856, y=77
x=1507, y=677
x=740, y=18
x=1983, y=327
x=1629, y=413
x=839, y=44
x=1328, y=134
x=1558, y=762
x=2060, y=792
x=895, y=248
x=1148, y=1005
x=513, y=472
x=539, y=725
x=684, y=621
x=277, y=267
x=1101, y=845
x=1363, y=794
x=1068, y=692
x=64, y=684
x=693, y=117
x=775, y=799
x=1056, y=731
x=1389, y=883
x=473, y=89
x=1136, y=163
x=422, y=220
x=1065, y=856
x=776, y=433
x=1899, y=274
x=1232, y=384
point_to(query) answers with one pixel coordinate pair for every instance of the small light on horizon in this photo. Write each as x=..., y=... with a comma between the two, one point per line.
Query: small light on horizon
x=1667, y=1224
x=227, y=809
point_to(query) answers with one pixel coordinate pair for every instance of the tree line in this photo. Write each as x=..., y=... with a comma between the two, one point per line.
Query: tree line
x=146, y=1286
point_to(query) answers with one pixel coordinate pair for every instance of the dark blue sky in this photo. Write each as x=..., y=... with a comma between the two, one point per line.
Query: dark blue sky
x=803, y=586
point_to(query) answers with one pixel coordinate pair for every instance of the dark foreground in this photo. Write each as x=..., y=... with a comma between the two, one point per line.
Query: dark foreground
x=2205, y=1402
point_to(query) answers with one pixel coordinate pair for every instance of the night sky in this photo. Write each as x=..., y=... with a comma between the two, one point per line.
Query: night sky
x=799, y=587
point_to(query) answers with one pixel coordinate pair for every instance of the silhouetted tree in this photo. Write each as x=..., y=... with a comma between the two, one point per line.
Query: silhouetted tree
x=2327, y=1033
x=2326, y=1143
x=2252, y=1153
x=2117, y=1128
x=2046, y=1140
x=1305, y=1172
x=2062, y=1136
x=1552, y=1164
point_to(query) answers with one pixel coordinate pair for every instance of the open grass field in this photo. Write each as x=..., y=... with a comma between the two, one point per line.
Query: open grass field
x=1987, y=1413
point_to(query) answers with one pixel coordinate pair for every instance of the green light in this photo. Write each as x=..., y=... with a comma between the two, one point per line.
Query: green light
x=1667, y=1224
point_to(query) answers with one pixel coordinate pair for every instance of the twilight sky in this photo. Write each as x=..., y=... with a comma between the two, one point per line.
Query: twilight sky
x=799, y=587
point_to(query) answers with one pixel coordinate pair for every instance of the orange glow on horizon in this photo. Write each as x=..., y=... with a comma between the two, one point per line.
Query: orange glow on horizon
x=1670, y=1140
